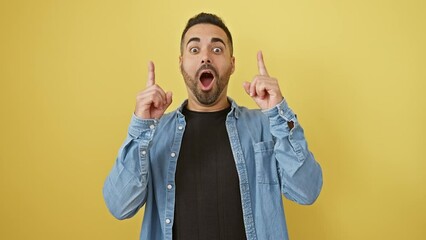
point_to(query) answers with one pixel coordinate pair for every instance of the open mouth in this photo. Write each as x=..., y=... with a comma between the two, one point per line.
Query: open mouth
x=206, y=79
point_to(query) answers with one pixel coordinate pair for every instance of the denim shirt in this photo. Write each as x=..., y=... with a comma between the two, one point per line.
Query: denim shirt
x=271, y=159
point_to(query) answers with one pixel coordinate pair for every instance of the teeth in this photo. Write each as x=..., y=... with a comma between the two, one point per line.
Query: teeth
x=206, y=73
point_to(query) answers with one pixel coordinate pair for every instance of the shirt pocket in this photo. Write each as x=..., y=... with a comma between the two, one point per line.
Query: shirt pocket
x=266, y=168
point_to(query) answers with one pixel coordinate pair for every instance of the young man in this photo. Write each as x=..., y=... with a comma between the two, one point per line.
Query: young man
x=212, y=169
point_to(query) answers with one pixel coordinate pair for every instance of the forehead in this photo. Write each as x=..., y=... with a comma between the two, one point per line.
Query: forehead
x=205, y=32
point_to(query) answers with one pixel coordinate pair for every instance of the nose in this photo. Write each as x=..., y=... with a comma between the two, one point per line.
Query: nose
x=205, y=61
x=205, y=58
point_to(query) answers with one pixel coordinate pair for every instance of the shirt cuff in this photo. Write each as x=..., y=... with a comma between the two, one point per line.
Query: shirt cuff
x=281, y=110
x=138, y=126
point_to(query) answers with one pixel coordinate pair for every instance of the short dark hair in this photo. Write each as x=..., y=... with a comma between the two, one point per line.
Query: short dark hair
x=207, y=18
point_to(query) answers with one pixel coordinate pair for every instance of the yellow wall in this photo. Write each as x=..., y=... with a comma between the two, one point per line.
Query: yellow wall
x=354, y=71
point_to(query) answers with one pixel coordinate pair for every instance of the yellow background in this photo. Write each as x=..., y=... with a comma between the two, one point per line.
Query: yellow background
x=353, y=71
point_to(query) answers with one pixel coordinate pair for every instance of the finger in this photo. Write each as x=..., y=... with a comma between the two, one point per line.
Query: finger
x=252, y=91
x=154, y=96
x=261, y=64
x=155, y=90
x=256, y=87
x=246, y=86
x=151, y=74
x=160, y=93
x=158, y=100
x=260, y=90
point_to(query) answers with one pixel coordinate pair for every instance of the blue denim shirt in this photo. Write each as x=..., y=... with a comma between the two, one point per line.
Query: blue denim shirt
x=271, y=159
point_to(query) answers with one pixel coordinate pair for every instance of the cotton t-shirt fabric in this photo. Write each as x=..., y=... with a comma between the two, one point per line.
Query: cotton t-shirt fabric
x=208, y=201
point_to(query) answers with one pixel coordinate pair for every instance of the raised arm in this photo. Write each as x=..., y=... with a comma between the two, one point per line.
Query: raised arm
x=126, y=187
x=301, y=175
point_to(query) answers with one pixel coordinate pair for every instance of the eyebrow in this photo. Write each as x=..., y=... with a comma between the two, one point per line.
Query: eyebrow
x=194, y=39
x=218, y=40
x=197, y=39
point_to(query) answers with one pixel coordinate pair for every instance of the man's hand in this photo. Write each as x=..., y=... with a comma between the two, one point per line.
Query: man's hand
x=152, y=102
x=264, y=90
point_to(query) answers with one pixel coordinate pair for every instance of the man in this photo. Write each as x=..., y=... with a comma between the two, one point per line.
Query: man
x=212, y=169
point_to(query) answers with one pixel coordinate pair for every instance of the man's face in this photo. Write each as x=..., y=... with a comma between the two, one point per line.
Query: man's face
x=206, y=63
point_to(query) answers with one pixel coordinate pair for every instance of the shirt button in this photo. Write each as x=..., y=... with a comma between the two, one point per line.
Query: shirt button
x=281, y=112
x=173, y=154
x=168, y=221
x=152, y=127
x=180, y=127
x=169, y=187
x=144, y=153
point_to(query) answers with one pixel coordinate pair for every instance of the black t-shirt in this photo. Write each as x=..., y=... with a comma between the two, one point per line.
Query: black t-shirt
x=208, y=200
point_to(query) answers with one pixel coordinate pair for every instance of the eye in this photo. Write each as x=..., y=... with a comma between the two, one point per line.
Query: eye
x=193, y=50
x=217, y=50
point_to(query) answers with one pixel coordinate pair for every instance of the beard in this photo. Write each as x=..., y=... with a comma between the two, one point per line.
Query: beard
x=210, y=97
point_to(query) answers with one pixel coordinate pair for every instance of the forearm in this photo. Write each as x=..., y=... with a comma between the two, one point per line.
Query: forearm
x=126, y=186
x=301, y=175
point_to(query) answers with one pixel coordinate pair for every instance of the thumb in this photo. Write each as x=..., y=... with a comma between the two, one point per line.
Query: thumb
x=169, y=99
x=246, y=86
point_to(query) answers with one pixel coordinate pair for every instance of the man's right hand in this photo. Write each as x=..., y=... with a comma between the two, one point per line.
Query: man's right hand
x=152, y=102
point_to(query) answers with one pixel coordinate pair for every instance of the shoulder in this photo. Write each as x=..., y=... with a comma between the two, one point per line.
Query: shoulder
x=167, y=118
x=252, y=115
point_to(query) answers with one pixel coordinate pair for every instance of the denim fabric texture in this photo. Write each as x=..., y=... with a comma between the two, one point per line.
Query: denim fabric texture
x=271, y=160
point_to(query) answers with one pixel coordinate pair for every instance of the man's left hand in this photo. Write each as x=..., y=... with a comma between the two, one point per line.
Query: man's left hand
x=264, y=89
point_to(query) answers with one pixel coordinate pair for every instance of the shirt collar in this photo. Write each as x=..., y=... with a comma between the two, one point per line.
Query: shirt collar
x=235, y=109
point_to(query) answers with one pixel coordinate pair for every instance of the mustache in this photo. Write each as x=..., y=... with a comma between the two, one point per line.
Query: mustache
x=206, y=67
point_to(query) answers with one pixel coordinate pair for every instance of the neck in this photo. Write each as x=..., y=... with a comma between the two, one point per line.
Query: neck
x=221, y=104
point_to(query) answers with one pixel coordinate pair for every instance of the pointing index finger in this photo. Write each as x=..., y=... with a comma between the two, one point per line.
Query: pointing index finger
x=151, y=74
x=261, y=64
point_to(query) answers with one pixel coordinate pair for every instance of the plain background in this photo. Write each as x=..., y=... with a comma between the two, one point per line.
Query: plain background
x=353, y=71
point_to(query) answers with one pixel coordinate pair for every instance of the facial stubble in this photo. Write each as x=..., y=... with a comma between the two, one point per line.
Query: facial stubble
x=206, y=98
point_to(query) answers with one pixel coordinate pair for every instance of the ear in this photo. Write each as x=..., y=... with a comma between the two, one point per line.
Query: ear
x=233, y=64
x=180, y=60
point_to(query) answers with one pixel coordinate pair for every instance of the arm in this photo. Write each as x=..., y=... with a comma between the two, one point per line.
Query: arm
x=300, y=174
x=126, y=187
